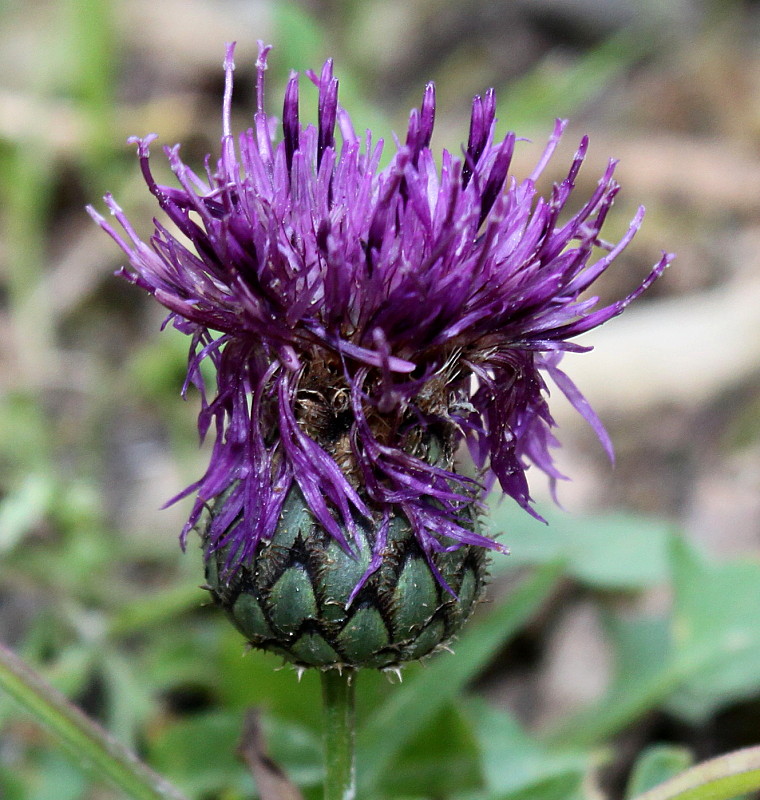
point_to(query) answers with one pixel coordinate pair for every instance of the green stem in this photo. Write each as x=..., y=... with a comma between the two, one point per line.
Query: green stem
x=87, y=741
x=339, y=734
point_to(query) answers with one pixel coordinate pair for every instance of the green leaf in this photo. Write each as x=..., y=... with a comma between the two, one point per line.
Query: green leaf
x=23, y=509
x=612, y=551
x=514, y=762
x=721, y=778
x=441, y=760
x=642, y=647
x=392, y=726
x=296, y=748
x=655, y=765
x=717, y=608
x=128, y=697
x=182, y=654
x=562, y=787
x=201, y=752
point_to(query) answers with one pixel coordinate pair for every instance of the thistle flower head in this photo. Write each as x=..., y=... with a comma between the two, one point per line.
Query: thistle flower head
x=363, y=322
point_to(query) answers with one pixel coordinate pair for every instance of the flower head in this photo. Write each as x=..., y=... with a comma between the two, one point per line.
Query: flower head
x=363, y=322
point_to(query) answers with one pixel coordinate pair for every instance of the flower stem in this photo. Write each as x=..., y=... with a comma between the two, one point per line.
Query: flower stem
x=338, y=692
x=86, y=740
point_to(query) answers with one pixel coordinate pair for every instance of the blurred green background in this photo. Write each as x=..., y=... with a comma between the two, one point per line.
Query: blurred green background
x=621, y=641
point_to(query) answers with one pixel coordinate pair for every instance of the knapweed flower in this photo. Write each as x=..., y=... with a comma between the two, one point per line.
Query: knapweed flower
x=363, y=323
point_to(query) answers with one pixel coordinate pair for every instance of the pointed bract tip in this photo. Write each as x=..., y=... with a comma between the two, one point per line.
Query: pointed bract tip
x=394, y=672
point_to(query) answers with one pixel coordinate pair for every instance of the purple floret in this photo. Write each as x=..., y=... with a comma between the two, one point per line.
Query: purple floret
x=349, y=311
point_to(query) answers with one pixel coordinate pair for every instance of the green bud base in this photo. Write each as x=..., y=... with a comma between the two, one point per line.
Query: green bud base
x=292, y=598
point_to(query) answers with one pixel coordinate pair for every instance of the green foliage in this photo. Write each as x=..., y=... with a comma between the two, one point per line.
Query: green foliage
x=655, y=765
x=611, y=552
x=732, y=775
x=424, y=735
x=715, y=628
x=516, y=764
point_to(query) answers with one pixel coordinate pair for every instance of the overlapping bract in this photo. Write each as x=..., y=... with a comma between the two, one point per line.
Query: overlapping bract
x=412, y=298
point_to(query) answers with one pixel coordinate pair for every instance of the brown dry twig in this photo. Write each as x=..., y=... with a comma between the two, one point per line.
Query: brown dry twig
x=271, y=781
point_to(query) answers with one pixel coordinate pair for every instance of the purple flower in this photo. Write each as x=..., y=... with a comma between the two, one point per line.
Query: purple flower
x=363, y=322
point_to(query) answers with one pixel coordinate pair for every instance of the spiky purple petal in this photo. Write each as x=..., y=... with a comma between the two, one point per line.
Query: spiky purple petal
x=402, y=301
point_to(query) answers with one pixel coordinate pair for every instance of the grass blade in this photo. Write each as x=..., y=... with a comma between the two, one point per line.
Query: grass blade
x=87, y=741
